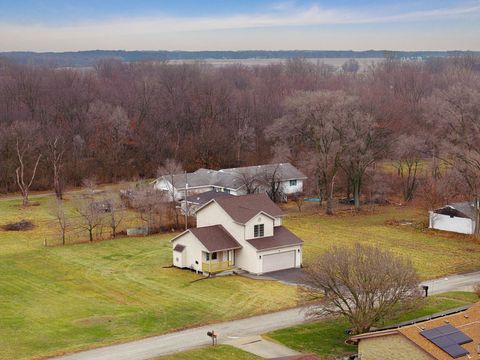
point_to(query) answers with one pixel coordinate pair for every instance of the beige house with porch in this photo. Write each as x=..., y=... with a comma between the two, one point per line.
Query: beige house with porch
x=243, y=232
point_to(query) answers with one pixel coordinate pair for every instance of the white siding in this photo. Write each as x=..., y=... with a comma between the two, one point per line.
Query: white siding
x=164, y=185
x=447, y=223
x=256, y=220
x=287, y=189
x=179, y=258
x=192, y=253
x=213, y=214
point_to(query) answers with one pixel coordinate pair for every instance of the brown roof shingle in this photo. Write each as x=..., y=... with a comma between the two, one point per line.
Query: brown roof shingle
x=467, y=321
x=281, y=237
x=215, y=238
x=243, y=208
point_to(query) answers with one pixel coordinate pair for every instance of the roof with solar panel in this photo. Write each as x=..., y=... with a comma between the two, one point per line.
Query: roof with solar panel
x=443, y=336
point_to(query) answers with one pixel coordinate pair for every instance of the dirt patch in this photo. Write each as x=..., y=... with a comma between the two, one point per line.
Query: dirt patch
x=23, y=225
x=94, y=320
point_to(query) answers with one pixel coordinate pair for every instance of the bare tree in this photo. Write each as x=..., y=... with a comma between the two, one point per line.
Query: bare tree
x=271, y=181
x=366, y=142
x=150, y=203
x=351, y=66
x=364, y=283
x=23, y=184
x=90, y=215
x=317, y=120
x=457, y=110
x=58, y=211
x=408, y=153
x=168, y=171
x=251, y=181
x=115, y=213
x=299, y=199
x=56, y=150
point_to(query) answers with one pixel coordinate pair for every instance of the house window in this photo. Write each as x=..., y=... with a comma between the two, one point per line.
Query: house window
x=293, y=182
x=258, y=230
x=209, y=256
x=226, y=191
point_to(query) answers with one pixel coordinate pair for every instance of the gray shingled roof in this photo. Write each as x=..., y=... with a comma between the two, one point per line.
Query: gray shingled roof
x=205, y=197
x=282, y=237
x=243, y=208
x=284, y=171
x=232, y=178
x=464, y=208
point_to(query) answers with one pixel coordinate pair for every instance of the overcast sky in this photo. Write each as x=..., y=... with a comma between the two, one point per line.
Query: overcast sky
x=55, y=25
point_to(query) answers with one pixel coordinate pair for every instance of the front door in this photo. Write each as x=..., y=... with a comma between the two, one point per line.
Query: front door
x=231, y=257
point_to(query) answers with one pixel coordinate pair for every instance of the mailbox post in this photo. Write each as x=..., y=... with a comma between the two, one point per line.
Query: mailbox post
x=213, y=336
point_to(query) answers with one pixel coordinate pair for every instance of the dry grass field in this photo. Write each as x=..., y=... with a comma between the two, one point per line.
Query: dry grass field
x=401, y=229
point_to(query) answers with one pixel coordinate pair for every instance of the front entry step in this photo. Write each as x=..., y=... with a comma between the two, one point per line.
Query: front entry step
x=226, y=272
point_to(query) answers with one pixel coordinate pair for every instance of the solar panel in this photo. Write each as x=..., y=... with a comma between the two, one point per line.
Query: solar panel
x=455, y=351
x=449, y=339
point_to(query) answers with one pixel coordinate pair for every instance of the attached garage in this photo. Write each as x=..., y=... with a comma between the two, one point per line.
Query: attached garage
x=278, y=261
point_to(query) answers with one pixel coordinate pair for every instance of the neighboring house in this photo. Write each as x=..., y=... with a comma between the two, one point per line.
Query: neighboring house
x=457, y=217
x=449, y=335
x=194, y=201
x=233, y=181
x=242, y=232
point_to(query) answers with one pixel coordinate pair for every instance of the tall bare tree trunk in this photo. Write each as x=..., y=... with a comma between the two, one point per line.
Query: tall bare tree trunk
x=20, y=172
x=356, y=193
x=329, y=210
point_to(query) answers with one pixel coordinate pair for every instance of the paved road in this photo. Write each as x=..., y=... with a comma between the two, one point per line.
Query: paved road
x=237, y=329
x=461, y=282
x=191, y=338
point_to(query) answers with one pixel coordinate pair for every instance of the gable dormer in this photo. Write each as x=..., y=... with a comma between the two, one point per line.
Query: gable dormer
x=259, y=226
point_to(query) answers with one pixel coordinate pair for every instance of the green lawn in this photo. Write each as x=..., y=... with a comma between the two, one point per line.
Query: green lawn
x=66, y=298
x=327, y=338
x=221, y=352
x=56, y=299
x=433, y=253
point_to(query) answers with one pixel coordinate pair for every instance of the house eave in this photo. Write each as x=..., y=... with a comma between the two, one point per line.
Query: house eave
x=179, y=235
x=275, y=247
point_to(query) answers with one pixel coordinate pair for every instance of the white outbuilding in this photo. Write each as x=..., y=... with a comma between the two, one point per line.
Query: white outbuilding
x=456, y=217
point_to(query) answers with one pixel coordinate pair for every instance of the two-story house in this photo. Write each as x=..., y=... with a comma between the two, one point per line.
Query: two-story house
x=243, y=232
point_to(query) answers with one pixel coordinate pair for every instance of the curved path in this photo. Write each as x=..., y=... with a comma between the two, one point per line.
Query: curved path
x=230, y=331
x=187, y=339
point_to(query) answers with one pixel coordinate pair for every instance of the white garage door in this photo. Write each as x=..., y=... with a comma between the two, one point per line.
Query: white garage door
x=279, y=261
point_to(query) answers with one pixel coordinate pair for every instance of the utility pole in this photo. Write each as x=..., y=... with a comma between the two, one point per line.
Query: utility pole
x=186, y=201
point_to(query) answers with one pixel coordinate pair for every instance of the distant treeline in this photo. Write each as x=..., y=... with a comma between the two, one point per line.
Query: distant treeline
x=89, y=58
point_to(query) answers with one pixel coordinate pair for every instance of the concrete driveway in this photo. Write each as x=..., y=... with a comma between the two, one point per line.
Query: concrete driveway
x=262, y=347
x=288, y=276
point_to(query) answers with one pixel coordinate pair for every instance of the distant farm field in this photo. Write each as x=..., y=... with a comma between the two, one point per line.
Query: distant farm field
x=335, y=62
x=55, y=299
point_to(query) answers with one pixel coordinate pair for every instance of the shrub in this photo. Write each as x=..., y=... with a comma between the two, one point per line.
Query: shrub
x=22, y=225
